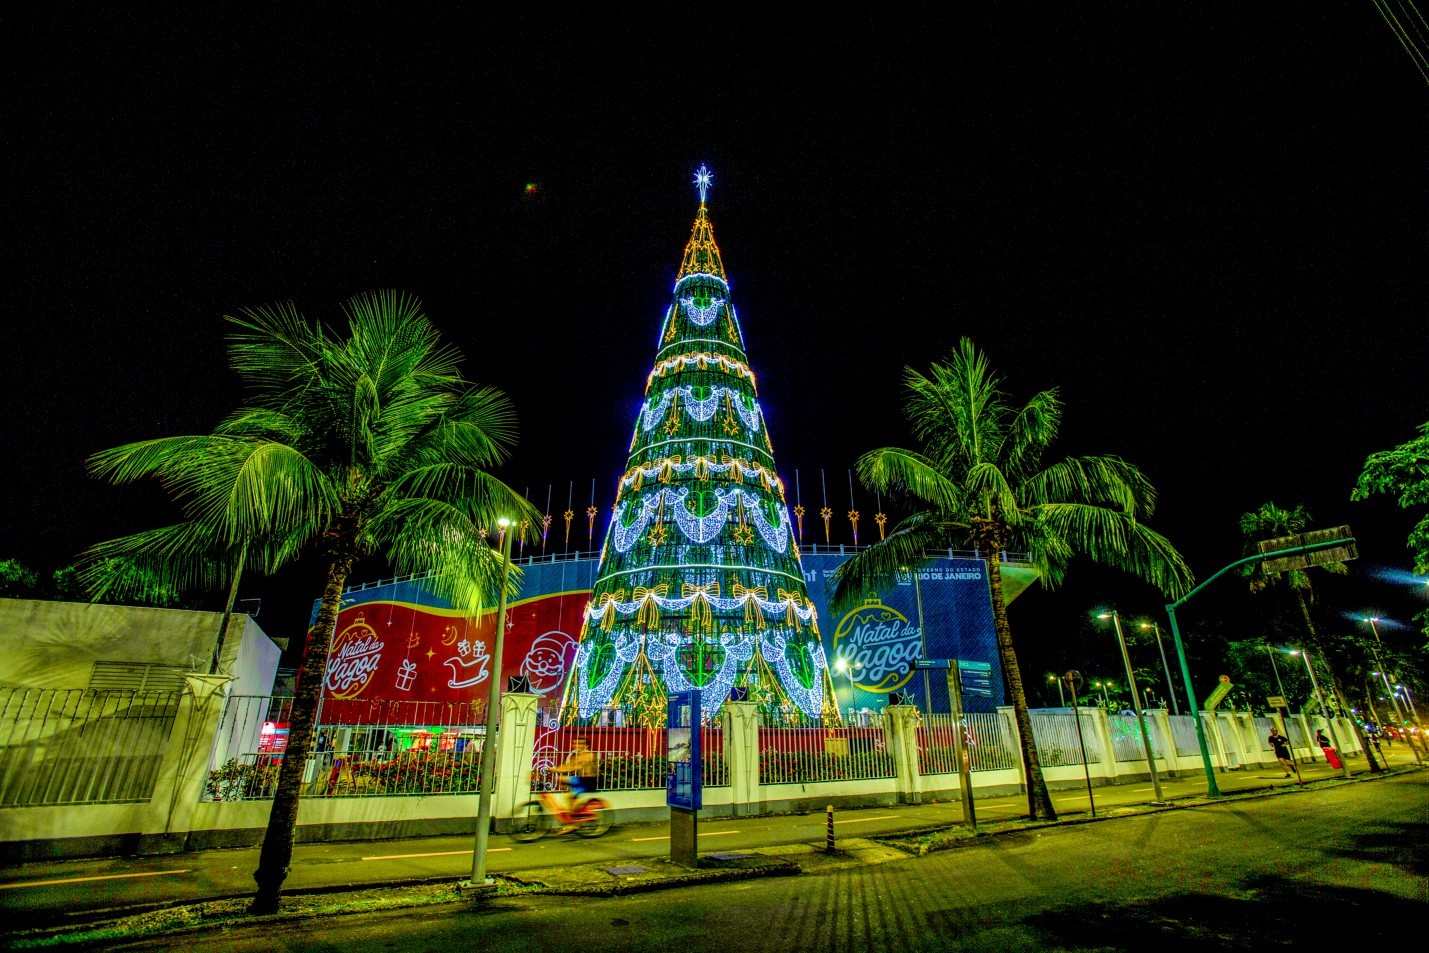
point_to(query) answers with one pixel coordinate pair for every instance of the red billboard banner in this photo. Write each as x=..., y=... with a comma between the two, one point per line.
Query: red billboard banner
x=401, y=652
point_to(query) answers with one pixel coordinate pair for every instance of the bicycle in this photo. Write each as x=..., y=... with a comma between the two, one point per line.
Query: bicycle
x=539, y=817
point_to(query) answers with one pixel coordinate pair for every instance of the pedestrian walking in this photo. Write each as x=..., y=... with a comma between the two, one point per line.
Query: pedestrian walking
x=1331, y=755
x=1281, y=746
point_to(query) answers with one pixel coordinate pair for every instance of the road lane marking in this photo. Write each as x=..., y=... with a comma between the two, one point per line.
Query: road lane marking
x=439, y=853
x=81, y=880
x=667, y=836
x=860, y=820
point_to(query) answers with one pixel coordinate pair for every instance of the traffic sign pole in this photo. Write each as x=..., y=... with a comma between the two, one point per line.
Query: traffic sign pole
x=965, y=775
x=1212, y=788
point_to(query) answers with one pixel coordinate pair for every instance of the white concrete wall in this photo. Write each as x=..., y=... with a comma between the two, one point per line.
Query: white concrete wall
x=49, y=644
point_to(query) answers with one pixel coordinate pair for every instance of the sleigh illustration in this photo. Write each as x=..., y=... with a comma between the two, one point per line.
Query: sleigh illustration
x=464, y=673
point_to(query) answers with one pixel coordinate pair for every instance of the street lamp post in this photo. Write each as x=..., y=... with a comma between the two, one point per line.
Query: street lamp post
x=1324, y=711
x=1136, y=705
x=1410, y=699
x=1399, y=718
x=1061, y=695
x=1106, y=702
x=493, y=714
x=1276, y=669
x=843, y=667
x=1170, y=689
x=923, y=640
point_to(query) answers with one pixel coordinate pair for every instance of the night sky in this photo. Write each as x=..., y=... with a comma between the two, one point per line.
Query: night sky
x=1206, y=228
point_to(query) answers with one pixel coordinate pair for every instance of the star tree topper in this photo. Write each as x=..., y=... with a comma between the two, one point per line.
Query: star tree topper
x=703, y=177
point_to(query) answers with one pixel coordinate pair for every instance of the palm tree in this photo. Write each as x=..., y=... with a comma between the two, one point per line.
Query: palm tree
x=980, y=480
x=368, y=442
x=1272, y=522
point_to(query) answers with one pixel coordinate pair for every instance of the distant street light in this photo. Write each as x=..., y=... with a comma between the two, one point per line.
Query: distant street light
x=486, y=781
x=1106, y=702
x=1170, y=689
x=1276, y=669
x=843, y=667
x=1399, y=718
x=1314, y=685
x=1136, y=704
x=1061, y=695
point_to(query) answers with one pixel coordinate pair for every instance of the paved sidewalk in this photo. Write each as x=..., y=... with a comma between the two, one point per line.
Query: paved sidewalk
x=69, y=891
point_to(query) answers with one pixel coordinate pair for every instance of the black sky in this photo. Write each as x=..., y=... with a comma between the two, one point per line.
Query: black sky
x=1206, y=227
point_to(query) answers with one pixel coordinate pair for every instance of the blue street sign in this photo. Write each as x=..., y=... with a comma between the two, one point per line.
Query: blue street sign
x=976, y=678
x=932, y=663
x=685, y=780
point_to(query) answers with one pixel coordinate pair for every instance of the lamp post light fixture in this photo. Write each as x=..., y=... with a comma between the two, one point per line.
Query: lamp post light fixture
x=1136, y=705
x=1061, y=695
x=844, y=667
x=493, y=714
x=1106, y=702
x=1170, y=689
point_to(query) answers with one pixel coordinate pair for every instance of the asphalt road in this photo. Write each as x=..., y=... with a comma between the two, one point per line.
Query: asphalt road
x=1333, y=868
x=51, y=892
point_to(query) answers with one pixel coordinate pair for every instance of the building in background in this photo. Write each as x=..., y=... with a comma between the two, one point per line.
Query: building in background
x=397, y=648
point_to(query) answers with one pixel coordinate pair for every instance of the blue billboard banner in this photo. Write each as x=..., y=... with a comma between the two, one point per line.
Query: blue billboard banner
x=872, y=647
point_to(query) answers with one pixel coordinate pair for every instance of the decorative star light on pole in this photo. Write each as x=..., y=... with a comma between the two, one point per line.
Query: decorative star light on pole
x=703, y=178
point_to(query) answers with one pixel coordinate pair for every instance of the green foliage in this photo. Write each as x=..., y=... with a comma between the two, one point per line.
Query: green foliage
x=1272, y=522
x=18, y=581
x=1404, y=474
x=126, y=582
x=363, y=442
x=981, y=480
x=237, y=781
x=412, y=772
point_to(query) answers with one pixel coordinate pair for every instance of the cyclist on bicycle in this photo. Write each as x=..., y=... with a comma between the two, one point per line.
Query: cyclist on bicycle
x=579, y=772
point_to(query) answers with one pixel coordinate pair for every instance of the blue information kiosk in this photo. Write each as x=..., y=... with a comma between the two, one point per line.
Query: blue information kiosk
x=682, y=785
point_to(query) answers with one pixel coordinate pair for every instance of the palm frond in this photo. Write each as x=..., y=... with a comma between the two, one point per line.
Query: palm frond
x=905, y=473
x=988, y=490
x=880, y=565
x=1028, y=434
x=179, y=557
x=275, y=348
x=1100, y=480
x=1118, y=541
x=957, y=410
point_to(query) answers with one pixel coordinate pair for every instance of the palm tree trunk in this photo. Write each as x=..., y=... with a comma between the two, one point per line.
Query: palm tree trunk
x=1039, y=802
x=277, y=852
x=1336, y=691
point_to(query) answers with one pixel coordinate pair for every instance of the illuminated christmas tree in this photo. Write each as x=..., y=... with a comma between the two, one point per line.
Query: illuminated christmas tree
x=699, y=584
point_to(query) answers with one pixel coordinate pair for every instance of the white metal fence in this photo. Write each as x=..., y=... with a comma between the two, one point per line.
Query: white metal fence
x=1056, y=735
x=77, y=746
x=1126, y=737
x=796, y=749
x=985, y=734
x=365, y=749
x=1183, y=735
x=629, y=756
